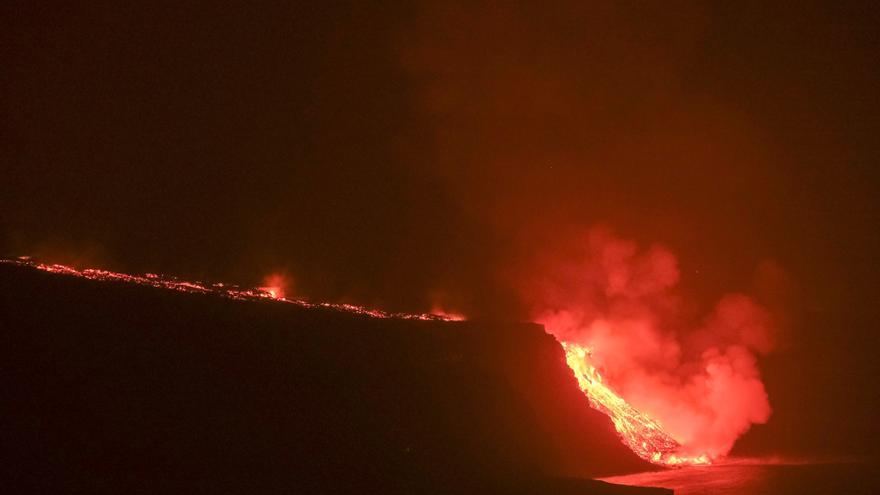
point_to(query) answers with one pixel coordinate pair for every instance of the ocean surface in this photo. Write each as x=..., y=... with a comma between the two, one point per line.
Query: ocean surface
x=757, y=477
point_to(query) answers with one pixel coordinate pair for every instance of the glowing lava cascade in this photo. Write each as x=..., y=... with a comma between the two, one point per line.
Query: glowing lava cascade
x=679, y=389
x=637, y=430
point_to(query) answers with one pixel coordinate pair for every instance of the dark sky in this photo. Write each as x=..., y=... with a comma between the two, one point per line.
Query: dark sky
x=394, y=155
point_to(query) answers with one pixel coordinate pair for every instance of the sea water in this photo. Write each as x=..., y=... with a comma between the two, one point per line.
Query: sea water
x=763, y=477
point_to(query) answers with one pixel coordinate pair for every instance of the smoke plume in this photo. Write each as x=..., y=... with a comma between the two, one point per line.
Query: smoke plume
x=549, y=119
x=697, y=376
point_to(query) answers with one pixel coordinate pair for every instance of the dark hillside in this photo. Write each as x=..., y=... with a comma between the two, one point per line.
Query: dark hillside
x=113, y=387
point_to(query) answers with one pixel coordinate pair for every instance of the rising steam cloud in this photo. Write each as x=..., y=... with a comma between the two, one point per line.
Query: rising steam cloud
x=699, y=379
x=547, y=119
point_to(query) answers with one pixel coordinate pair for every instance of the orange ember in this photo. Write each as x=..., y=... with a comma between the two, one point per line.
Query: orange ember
x=275, y=285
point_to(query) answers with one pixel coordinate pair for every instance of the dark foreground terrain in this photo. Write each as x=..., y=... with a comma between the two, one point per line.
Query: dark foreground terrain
x=114, y=388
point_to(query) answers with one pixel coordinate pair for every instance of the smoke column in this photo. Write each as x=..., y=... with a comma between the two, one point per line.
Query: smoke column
x=699, y=378
x=546, y=120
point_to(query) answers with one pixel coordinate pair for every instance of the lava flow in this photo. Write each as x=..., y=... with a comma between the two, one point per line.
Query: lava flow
x=274, y=291
x=638, y=431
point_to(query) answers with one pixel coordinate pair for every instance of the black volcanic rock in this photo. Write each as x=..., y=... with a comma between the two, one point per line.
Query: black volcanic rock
x=113, y=387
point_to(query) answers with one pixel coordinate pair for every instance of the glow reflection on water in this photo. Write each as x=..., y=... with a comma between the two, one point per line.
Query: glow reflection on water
x=762, y=477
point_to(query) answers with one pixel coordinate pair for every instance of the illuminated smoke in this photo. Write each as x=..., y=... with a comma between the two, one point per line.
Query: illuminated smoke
x=698, y=379
x=277, y=285
x=447, y=314
x=549, y=118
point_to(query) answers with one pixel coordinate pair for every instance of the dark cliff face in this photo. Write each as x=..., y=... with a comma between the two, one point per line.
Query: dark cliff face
x=111, y=386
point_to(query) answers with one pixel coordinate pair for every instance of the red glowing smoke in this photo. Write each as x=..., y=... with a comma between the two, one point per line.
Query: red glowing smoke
x=277, y=285
x=698, y=377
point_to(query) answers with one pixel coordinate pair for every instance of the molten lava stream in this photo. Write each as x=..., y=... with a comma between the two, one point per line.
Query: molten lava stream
x=638, y=431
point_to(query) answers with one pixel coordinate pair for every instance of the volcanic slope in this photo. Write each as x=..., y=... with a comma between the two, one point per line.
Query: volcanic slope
x=112, y=387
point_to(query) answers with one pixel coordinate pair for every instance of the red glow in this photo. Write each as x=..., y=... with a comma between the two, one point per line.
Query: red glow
x=276, y=285
x=447, y=314
x=677, y=392
x=216, y=288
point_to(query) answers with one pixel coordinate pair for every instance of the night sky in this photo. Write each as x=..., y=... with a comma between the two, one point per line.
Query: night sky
x=405, y=155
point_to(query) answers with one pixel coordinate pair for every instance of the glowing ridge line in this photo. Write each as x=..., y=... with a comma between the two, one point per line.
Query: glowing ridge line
x=220, y=289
